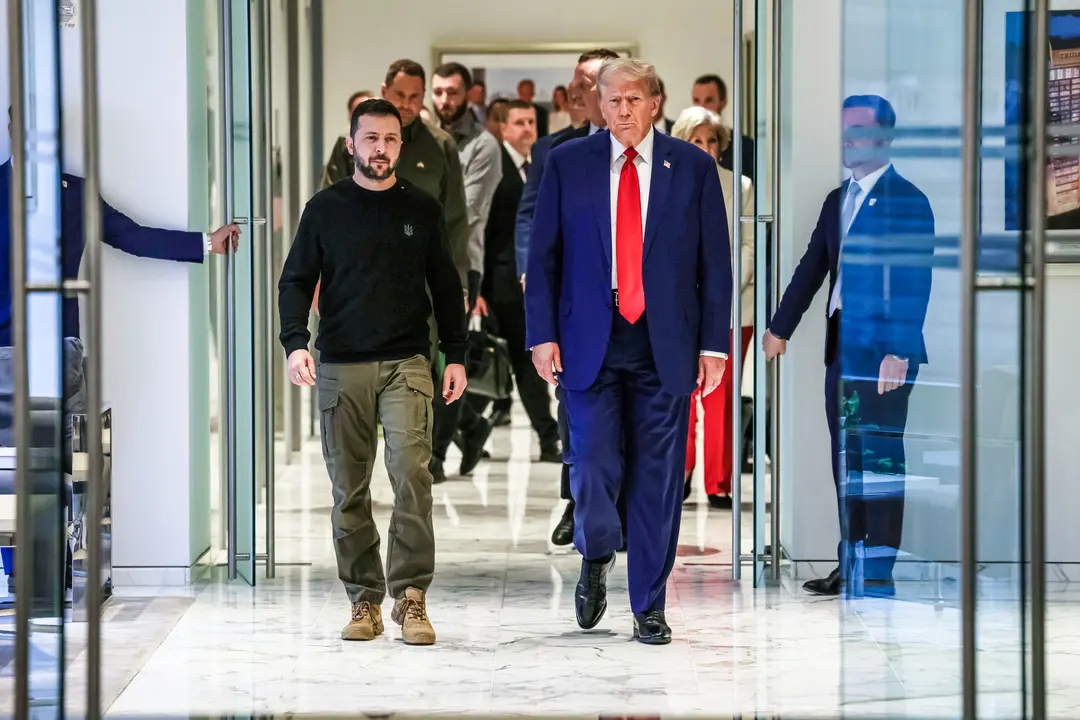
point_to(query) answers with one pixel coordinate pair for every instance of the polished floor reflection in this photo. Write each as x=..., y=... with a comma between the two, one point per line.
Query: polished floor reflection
x=503, y=607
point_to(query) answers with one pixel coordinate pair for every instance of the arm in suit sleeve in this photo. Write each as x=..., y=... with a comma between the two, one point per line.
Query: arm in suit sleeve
x=714, y=266
x=527, y=205
x=124, y=234
x=545, y=263
x=482, y=176
x=746, y=230
x=809, y=275
x=909, y=283
x=455, y=211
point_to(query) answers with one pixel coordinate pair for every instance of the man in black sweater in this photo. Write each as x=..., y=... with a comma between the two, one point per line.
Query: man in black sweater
x=376, y=241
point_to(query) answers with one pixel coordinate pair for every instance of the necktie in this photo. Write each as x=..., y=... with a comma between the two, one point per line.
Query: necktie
x=525, y=169
x=847, y=214
x=629, y=240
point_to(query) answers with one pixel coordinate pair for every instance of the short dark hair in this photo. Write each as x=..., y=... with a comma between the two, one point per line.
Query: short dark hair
x=597, y=54
x=450, y=69
x=522, y=81
x=411, y=68
x=375, y=106
x=479, y=83
x=721, y=86
x=518, y=104
x=356, y=96
x=884, y=113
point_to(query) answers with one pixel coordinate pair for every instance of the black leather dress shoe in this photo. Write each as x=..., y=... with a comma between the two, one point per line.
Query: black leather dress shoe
x=551, y=453
x=472, y=445
x=651, y=628
x=590, y=599
x=720, y=502
x=500, y=418
x=824, y=586
x=563, y=534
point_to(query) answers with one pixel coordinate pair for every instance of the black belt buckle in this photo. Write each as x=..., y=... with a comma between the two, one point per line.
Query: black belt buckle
x=615, y=298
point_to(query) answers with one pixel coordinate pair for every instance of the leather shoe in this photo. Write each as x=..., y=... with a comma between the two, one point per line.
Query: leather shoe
x=438, y=474
x=472, y=445
x=500, y=418
x=824, y=586
x=550, y=453
x=651, y=628
x=563, y=534
x=590, y=598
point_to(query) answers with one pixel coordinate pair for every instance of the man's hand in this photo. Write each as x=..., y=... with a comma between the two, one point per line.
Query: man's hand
x=892, y=375
x=710, y=373
x=481, y=309
x=219, y=239
x=454, y=382
x=302, y=368
x=547, y=360
x=773, y=345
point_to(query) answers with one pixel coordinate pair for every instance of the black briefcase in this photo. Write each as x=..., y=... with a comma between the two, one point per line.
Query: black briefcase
x=488, y=366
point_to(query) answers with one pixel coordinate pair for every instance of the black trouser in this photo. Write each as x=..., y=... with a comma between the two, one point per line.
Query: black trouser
x=873, y=443
x=509, y=321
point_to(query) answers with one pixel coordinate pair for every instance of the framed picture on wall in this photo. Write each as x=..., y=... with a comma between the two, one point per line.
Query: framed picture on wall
x=502, y=67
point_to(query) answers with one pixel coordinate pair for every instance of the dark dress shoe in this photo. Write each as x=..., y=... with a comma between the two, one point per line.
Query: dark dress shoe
x=438, y=474
x=563, y=534
x=720, y=502
x=824, y=586
x=590, y=598
x=551, y=453
x=651, y=628
x=688, y=486
x=500, y=418
x=472, y=445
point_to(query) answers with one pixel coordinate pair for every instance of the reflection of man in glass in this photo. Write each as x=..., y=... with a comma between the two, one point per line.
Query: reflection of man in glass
x=881, y=224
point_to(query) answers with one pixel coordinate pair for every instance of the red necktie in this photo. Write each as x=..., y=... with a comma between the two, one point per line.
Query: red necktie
x=628, y=241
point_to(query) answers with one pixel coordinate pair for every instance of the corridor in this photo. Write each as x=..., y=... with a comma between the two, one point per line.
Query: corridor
x=503, y=606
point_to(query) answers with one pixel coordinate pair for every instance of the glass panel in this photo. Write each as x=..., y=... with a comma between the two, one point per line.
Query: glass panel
x=47, y=569
x=242, y=290
x=896, y=221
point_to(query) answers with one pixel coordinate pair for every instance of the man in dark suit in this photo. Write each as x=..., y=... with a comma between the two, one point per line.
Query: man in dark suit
x=583, y=86
x=501, y=297
x=880, y=225
x=118, y=231
x=629, y=272
x=527, y=92
x=710, y=92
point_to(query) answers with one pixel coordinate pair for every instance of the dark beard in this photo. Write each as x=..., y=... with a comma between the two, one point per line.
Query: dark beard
x=448, y=121
x=366, y=170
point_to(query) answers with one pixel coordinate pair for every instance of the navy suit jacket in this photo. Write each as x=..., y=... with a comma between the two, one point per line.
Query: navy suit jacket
x=888, y=257
x=686, y=261
x=119, y=231
x=527, y=205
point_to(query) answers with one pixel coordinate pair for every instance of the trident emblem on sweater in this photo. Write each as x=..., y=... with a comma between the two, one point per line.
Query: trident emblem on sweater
x=408, y=231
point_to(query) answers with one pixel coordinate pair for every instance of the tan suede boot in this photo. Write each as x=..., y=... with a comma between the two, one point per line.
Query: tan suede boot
x=410, y=612
x=366, y=623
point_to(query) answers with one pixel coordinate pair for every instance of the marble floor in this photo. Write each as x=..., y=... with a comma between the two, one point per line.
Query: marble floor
x=502, y=604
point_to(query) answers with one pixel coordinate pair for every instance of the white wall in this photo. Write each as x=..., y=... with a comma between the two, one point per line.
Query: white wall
x=144, y=173
x=361, y=42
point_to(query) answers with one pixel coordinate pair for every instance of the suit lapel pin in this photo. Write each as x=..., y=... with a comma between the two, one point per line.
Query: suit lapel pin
x=873, y=202
x=667, y=164
x=420, y=164
x=63, y=183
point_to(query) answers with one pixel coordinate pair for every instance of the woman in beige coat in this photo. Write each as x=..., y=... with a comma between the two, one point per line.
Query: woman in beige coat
x=703, y=128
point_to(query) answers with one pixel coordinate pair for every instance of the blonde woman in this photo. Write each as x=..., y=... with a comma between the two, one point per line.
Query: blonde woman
x=560, y=110
x=703, y=128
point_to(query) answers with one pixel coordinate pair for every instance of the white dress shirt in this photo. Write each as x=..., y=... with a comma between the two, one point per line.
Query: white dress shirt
x=644, y=164
x=518, y=159
x=866, y=185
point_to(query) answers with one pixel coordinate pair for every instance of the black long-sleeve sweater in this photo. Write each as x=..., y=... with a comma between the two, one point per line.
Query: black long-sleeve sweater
x=376, y=252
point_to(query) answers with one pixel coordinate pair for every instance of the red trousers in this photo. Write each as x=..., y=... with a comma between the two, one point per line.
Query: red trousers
x=717, y=418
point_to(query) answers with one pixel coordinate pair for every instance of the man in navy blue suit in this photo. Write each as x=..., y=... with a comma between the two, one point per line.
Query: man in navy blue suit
x=873, y=241
x=628, y=306
x=583, y=86
x=119, y=231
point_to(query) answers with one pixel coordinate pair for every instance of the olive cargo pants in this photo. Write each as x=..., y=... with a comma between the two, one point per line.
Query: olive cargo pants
x=354, y=399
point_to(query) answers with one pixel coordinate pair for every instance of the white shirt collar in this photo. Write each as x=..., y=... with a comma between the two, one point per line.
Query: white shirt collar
x=644, y=148
x=593, y=129
x=517, y=157
x=867, y=183
x=661, y=126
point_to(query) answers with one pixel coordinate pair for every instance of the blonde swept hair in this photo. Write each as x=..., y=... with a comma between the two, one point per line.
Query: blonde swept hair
x=692, y=118
x=632, y=68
